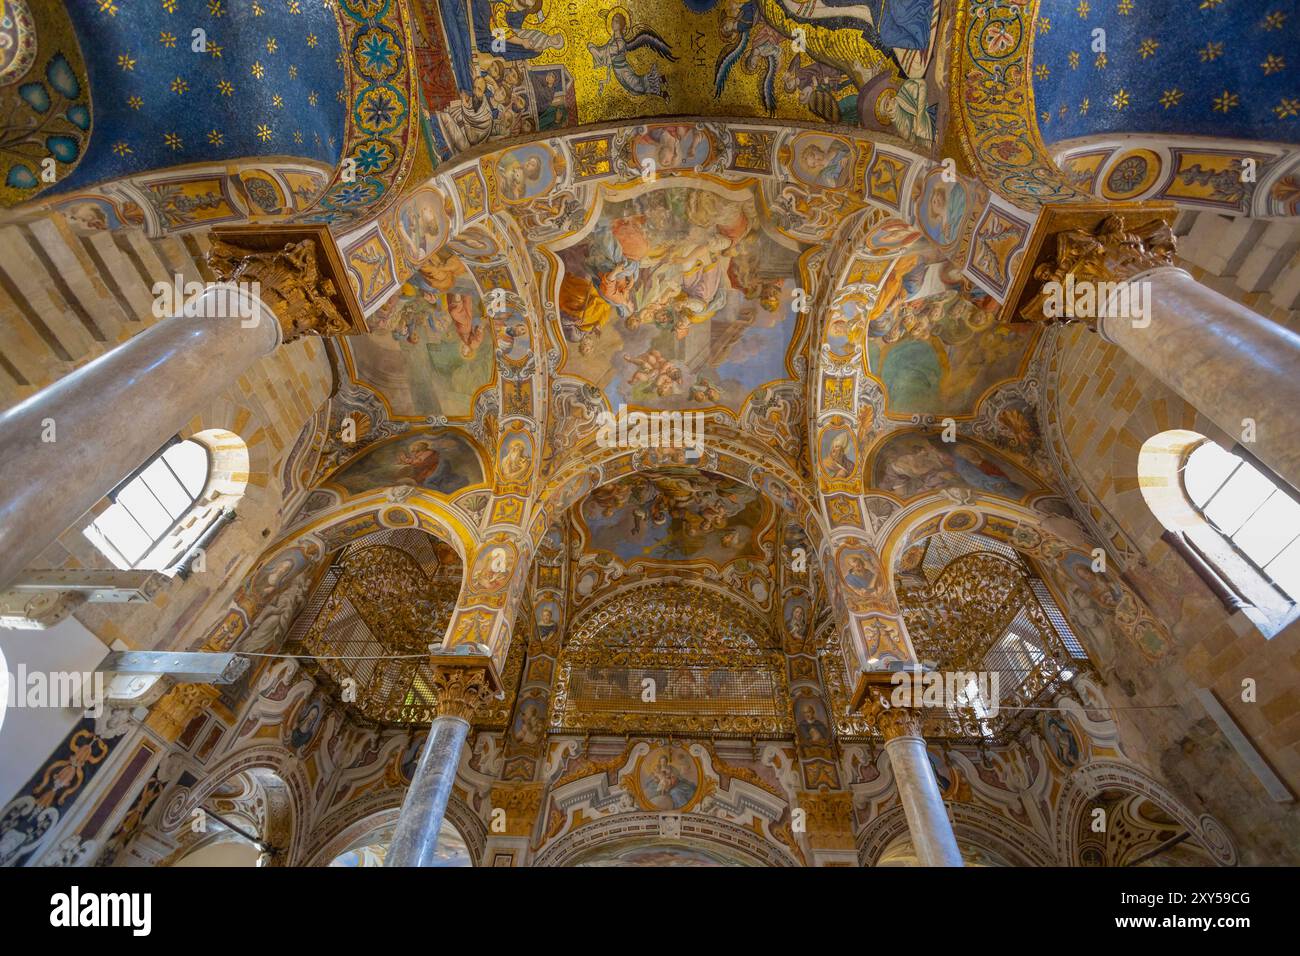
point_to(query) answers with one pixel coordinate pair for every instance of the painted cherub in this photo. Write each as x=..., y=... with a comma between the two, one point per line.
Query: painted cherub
x=649, y=365
x=652, y=368
x=705, y=391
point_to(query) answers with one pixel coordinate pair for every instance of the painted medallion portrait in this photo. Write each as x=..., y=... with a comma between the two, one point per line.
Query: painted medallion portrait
x=825, y=162
x=422, y=223
x=796, y=614
x=668, y=779
x=860, y=570
x=525, y=172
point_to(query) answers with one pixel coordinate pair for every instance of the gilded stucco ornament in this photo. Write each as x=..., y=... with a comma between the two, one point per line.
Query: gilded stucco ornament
x=1112, y=252
x=522, y=802
x=299, y=273
x=463, y=684
x=175, y=709
x=1093, y=242
x=891, y=722
x=828, y=819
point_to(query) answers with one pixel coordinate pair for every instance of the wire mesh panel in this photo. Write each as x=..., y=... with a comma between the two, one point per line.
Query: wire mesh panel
x=976, y=609
x=672, y=657
x=1053, y=612
x=371, y=620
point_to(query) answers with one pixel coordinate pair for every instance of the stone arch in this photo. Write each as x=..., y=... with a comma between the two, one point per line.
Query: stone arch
x=934, y=514
x=285, y=794
x=734, y=456
x=1088, y=782
x=632, y=829
x=377, y=813
x=1007, y=842
x=268, y=592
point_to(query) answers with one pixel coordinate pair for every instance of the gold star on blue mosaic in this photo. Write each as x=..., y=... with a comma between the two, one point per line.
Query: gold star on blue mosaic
x=145, y=63
x=1230, y=61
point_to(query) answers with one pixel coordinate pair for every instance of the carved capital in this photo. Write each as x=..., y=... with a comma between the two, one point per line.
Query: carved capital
x=1084, y=244
x=175, y=709
x=299, y=274
x=828, y=817
x=872, y=700
x=462, y=685
x=893, y=722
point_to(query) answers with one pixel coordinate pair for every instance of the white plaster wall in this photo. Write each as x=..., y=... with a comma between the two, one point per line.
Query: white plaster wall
x=28, y=735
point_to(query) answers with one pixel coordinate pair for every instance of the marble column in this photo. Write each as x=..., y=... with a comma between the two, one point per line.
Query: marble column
x=461, y=690
x=1227, y=361
x=68, y=445
x=918, y=789
x=927, y=817
x=1224, y=359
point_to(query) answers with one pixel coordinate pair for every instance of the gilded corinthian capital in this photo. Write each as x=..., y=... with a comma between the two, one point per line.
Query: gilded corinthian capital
x=872, y=700
x=299, y=276
x=462, y=684
x=892, y=722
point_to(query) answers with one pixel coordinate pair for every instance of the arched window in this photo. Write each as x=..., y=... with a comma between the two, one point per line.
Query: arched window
x=154, y=518
x=1235, y=522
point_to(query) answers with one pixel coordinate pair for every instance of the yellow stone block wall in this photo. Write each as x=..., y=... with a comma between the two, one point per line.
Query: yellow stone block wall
x=1108, y=406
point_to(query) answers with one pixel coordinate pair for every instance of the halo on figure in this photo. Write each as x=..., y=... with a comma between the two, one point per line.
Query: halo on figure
x=611, y=13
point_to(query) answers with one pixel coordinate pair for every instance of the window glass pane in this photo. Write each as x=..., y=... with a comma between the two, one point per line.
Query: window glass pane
x=1244, y=492
x=1207, y=467
x=1285, y=570
x=190, y=461
x=144, y=507
x=166, y=488
x=117, y=526
x=1270, y=529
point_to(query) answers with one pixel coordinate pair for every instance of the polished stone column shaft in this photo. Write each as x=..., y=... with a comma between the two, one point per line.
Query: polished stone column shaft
x=927, y=817
x=110, y=415
x=1227, y=361
x=461, y=687
x=415, y=840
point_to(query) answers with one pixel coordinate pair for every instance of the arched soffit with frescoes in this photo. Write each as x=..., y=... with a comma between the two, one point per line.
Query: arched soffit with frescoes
x=678, y=521
x=683, y=524
x=915, y=322
x=495, y=69
x=441, y=460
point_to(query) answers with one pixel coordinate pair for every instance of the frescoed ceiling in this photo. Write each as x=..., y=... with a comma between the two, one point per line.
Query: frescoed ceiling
x=676, y=295
x=676, y=515
x=1196, y=67
x=695, y=289
x=176, y=82
x=520, y=66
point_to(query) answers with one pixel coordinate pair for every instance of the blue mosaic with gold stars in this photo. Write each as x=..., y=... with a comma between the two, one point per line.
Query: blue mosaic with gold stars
x=267, y=81
x=1227, y=68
